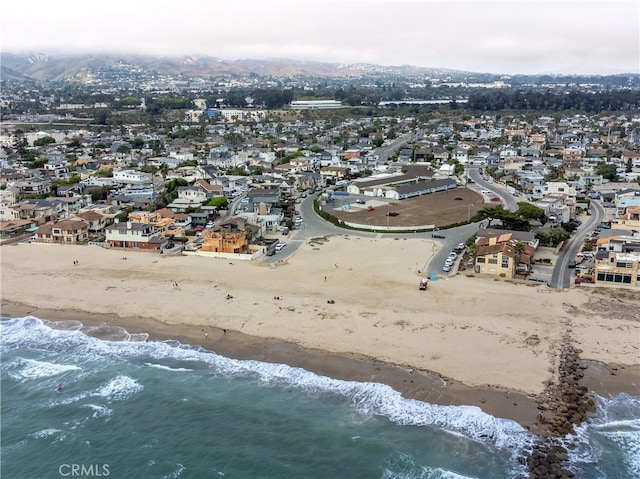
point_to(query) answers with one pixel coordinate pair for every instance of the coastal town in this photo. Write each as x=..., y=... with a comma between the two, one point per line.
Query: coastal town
x=287, y=222
x=229, y=182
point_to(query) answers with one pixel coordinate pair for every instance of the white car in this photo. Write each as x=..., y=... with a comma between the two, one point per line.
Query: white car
x=446, y=268
x=280, y=245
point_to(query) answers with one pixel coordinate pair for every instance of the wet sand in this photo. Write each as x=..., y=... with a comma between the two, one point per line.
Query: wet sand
x=471, y=341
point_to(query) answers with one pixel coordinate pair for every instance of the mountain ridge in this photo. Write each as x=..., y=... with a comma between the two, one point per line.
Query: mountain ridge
x=37, y=66
x=59, y=67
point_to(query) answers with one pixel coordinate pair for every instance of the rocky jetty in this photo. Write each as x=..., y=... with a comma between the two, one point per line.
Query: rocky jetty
x=563, y=405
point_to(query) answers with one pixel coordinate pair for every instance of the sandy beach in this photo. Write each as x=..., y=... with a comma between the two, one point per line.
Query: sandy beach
x=466, y=340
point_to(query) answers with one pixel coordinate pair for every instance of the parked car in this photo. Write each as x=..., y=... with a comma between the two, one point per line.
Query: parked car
x=495, y=198
x=446, y=268
x=360, y=202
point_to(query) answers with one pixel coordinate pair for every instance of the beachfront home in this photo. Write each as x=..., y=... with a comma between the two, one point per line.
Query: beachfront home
x=224, y=242
x=145, y=236
x=618, y=261
x=69, y=231
x=95, y=221
x=503, y=255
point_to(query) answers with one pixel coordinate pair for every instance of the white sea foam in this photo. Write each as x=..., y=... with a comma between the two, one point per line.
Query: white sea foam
x=405, y=468
x=122, y=387
x=99, y=411
x=177, y=473
x=46, y=433
x=366, y=397
x=166, y=368
x=56, y=435
x=33, y=369
x=616, y=421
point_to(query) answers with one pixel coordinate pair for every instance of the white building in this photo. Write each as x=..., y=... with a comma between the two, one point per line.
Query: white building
x=559, y=188
x=131, y=177
x=315, y=104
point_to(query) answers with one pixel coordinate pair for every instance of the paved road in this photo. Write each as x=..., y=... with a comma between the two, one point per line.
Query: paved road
x=314, y=226
x=509, y=201
x=561, y=277
x=385, y=152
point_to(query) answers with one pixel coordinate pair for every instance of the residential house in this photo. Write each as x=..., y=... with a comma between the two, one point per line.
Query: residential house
x=559, y=187
x=39, y=211
x=557, y=206
x=498, y=255
x=211, y=191
x=67, y=231
x=96, y=222
x=625, y=198
x=629, y=220
x=335, y=172
x=257, y=197
x=131, y=177
x=144, y=236
x=13, y=228
x=35, y=186
x=154, y=218
x=617, y=261
x=189, y=197
x=232, y=184
x=572, y=155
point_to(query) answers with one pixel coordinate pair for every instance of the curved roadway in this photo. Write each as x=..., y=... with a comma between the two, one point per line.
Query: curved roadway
x=315, y=226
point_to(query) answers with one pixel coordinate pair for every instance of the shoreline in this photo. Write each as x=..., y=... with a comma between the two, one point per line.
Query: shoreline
x=349, y=308
x=427, y=386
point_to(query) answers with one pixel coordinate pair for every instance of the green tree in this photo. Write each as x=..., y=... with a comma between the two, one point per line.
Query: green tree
x=490, y=213
x=44, y=141
x=531, y=212
x=607, y=170
x=218, y=202
x=558, y=235
x=519, y=249
x=543, y=237
x=38, y=163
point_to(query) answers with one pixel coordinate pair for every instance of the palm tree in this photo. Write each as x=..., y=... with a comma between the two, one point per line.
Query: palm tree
x=519, y=249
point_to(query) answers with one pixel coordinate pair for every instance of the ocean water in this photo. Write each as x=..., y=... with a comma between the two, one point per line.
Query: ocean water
x=134, y=409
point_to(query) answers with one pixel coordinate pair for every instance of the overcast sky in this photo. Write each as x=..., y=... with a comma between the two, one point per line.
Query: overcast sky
x=507, y=36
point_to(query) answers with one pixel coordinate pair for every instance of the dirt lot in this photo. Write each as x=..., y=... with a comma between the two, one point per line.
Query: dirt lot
x=439, y=209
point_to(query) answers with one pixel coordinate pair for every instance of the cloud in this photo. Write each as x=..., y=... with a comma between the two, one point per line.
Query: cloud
x=515, y=36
